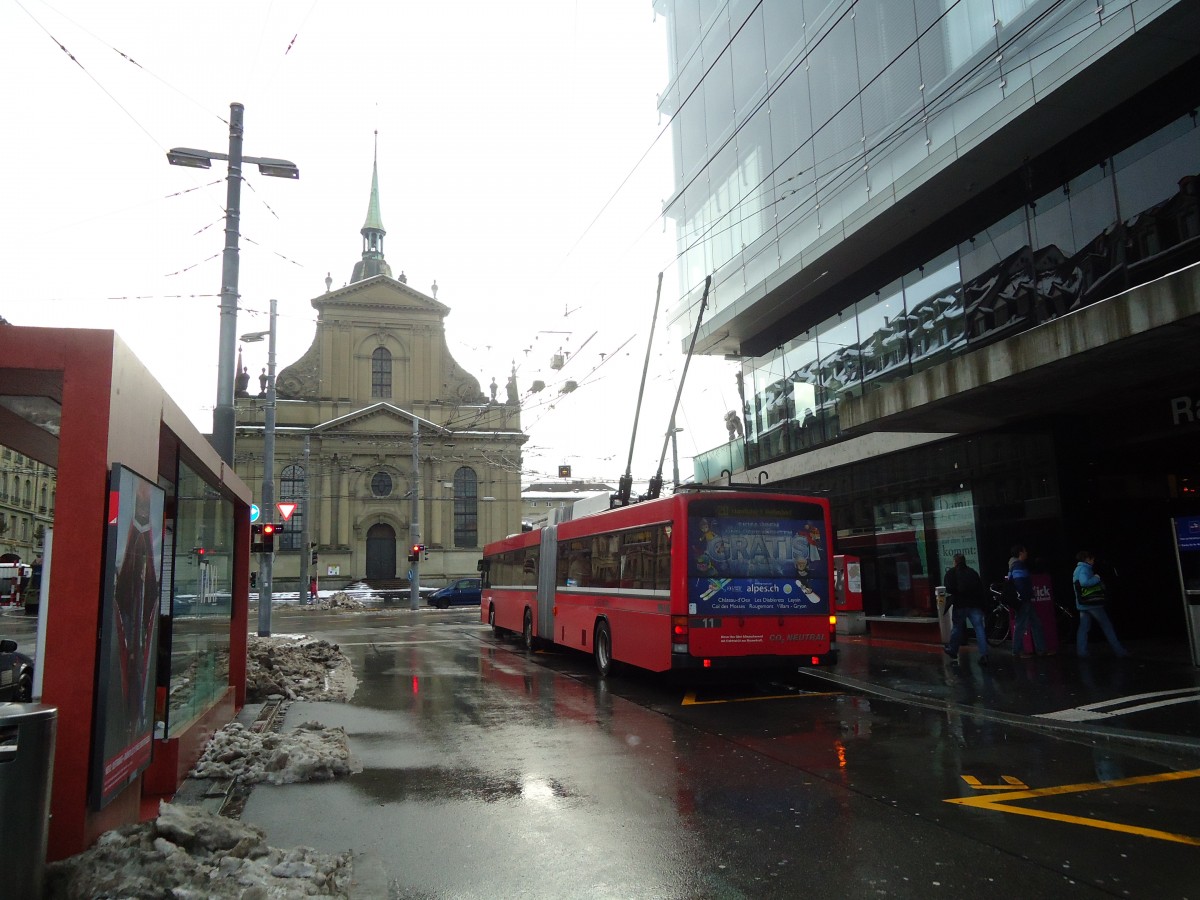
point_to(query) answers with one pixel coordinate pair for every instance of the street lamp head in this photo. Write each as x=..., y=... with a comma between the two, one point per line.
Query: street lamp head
x=194, y=159
x=253, y=337
x=276, y=168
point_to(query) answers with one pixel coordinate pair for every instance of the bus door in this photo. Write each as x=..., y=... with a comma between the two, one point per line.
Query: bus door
x=547, y=563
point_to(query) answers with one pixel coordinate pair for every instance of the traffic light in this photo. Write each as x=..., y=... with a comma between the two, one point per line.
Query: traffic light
x=424, y=552
x=414, y=553
x=256, y=537
x=269, y=530
x=198, y=552
x=313, y=551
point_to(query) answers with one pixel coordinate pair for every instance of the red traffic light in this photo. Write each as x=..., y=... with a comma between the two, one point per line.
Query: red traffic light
x=268, y=528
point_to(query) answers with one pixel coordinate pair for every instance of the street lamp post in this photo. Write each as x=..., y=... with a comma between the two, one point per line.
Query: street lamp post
x=266, y=561
x=223, y=413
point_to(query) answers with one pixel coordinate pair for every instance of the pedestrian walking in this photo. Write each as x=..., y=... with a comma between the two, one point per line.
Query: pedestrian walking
x=1020, y=575
x=964, y=588
x=1089, y=600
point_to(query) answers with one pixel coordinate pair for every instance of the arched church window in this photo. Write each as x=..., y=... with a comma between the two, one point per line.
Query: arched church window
x=381, y=484
x=291, y=487
x=466, y=508
x=381, y=373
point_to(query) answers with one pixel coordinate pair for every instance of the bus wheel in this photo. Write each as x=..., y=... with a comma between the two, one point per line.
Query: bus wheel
x=602, y=648
x=527, y=631
x=497, y=631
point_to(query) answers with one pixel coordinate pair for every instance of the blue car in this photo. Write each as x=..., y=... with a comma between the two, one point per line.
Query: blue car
x=464, y=592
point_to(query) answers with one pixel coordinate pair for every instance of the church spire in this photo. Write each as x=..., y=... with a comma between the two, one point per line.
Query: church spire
x=372, y=262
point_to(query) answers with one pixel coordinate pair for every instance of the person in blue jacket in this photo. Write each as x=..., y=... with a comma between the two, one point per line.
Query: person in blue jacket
x=1085, y=576
x=1021, y=576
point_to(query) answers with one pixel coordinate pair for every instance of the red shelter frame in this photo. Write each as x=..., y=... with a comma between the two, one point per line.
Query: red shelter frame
x=80, y=401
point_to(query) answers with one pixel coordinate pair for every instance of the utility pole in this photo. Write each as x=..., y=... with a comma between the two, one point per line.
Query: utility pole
x=414, y=588
x=305, y=528
x=266, y=562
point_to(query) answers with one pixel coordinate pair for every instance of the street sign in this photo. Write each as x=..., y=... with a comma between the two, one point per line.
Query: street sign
x=286, y=510
x=254, y=512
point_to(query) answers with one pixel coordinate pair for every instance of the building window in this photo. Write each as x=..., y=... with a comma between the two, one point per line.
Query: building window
x=381, y=373
x=381, y=484
x=466, y=508
x=291, y=487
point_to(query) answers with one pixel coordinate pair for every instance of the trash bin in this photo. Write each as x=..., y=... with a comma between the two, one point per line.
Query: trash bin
x=944, y=613
x=27, y=732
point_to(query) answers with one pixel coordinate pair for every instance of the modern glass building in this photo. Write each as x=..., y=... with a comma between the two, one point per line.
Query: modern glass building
x=955, y=246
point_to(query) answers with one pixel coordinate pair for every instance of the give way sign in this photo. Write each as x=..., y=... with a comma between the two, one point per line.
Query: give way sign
x=286, y=510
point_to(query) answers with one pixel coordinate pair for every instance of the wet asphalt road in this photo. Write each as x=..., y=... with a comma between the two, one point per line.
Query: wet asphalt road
x=488, y=772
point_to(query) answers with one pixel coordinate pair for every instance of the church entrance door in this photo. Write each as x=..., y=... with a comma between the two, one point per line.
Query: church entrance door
x=381, y=551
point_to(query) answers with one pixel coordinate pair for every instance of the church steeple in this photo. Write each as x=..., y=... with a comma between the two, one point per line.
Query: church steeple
x=372, y=262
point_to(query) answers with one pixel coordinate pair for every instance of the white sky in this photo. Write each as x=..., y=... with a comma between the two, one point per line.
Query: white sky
x=520, y=164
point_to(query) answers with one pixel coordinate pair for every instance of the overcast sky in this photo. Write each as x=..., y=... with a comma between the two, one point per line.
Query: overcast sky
x=522, y=164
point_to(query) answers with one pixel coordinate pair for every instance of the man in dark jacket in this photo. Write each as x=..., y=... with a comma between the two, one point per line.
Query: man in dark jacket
x=964, y=588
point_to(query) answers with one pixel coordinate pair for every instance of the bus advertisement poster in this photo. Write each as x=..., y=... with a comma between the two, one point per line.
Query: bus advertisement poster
x=759, y=566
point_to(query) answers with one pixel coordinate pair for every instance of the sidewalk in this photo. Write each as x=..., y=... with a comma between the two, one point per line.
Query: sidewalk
x=1149, y=699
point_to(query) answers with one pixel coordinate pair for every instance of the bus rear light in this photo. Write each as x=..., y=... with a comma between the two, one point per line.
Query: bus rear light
x=708, y=664
x=679, y=634
x=816, y=660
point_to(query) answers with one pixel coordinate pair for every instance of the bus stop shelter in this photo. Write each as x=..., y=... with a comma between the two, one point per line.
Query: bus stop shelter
x=144, y=626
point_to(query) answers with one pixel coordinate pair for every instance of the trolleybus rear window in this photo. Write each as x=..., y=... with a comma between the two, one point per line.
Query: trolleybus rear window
x=748, y=557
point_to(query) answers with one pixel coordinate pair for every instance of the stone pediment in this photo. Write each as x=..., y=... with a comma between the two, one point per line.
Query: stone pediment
x=378, y=292
x=378, y=418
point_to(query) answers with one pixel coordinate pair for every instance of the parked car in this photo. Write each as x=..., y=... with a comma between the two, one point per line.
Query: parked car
x=16, y=674
x=464, y=592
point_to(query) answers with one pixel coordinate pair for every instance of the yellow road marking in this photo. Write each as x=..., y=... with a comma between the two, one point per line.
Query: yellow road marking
x=1000, y=803
x=689, y=699
x=1010, y=782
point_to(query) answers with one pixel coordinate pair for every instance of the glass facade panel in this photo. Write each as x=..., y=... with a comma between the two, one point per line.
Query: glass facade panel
x=197, y=631
x=933, y=301
x=840, y=369
x=1156, y=187
x=749, y=63
x=783, y=32
x=803, y=371
x=997, y=277
x=884, y=340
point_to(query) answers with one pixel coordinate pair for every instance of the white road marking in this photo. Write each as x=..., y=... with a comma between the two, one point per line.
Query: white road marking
x=1107, y=709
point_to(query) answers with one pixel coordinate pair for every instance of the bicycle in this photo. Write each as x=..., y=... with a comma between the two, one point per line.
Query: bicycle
x=998, y=621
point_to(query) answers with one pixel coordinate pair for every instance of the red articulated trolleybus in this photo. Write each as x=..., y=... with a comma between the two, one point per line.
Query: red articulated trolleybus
x=703, y=579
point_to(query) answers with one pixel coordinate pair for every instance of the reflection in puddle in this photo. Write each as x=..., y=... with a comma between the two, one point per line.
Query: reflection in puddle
x=444, y=785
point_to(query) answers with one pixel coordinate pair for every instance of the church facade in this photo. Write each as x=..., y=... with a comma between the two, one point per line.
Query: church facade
x=382, y=439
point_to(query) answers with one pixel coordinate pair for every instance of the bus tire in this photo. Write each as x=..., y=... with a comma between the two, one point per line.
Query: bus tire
x=602, y=649
x=527, y=631
x=497, y=631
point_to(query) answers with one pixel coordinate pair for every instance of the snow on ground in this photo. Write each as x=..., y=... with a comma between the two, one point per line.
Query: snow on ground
x=187, y=852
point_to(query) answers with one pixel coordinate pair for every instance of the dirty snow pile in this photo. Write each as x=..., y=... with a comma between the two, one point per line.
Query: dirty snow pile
x=190, y=854
x=309, y=752
x=295, y=667
x=339, y=600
